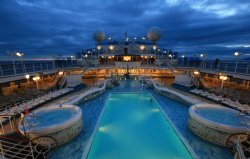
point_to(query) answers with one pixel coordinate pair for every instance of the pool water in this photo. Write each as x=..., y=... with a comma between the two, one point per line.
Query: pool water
x=133, y=126
x=47, y=118
x=175, y=110
x=231, y=117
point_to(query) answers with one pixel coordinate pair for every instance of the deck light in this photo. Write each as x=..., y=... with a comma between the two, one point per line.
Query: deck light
x=196, y=72
x=27, y=76
x=142, y=47
x=60, y=73
x=236, y=54
x=19, y=54
x=99, y=47
x=36, y=79
x=222, y=78
x=201, y=55
x=111, y=47
x=154, y=47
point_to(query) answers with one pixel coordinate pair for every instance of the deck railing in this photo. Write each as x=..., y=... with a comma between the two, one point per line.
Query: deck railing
x=236, y=67
x=89, y=92
x=169, y=91
x=19, y=68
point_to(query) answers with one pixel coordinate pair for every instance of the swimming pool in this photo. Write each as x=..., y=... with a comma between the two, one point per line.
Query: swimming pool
x=175, y=110
x=133, y=126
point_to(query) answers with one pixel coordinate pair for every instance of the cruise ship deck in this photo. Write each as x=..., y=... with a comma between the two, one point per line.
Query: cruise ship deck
x=90, y=82
x=123, y=96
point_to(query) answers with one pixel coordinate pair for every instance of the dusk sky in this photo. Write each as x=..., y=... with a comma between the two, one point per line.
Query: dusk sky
x=41, y=28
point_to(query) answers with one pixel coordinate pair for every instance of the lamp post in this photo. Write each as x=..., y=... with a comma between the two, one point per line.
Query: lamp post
x=183, y=56
x=222, y=78
x=202, y=55
x=98, y=49
x=170, y=58
x=21, y=57
x=36, y=79
x=237, y=54
x=196, y=73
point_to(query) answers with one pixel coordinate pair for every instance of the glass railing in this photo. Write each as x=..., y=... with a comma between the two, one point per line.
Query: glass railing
x=9, y=68
x=237, y=67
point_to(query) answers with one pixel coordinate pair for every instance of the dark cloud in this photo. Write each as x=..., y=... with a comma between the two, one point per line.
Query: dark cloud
x=45, y=27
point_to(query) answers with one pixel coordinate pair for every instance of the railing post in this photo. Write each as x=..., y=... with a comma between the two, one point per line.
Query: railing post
x=13, y=63
x=41, y=66
x=1, y=149
x=1, y=70
x=33, y=67
x=247, y=68
x=31, y=150
x=236, y=65
x=226, y=68
x=2, y=127
x=24, y=67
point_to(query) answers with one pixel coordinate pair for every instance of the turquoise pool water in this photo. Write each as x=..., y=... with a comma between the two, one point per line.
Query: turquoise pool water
x=176, y=111
x=231, y=117
x=47, y=118
x=133, y=126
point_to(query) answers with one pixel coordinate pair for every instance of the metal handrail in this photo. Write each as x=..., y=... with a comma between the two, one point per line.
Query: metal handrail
x=13, y=145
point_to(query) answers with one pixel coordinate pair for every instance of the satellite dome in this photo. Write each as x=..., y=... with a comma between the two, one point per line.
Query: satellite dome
x=99, y=36
x=154, y=34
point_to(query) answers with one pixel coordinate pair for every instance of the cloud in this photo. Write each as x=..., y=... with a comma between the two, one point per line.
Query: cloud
x=41, y=28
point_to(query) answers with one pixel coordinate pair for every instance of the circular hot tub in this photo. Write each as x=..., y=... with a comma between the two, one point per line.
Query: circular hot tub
x=62, y=123
x=216, y=123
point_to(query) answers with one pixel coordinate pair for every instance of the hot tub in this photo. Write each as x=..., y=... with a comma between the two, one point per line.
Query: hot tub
x=216, y=123
x=62, y=123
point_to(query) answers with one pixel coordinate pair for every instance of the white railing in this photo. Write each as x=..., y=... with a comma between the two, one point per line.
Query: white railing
x=167, y=90
x=89, y=92
x=23, y=148
x=16, y=150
